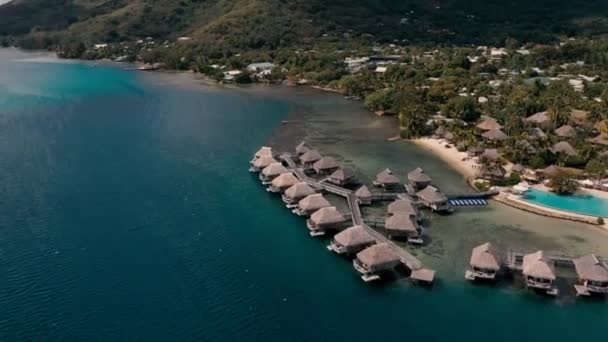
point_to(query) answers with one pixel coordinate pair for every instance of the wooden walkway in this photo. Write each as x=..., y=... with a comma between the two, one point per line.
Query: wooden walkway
x=515, y=258
x=357, y=217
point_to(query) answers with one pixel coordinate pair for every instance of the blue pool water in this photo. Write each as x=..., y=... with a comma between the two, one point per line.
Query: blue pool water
x=582, y=204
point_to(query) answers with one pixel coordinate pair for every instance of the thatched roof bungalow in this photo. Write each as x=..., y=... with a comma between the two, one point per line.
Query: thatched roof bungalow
x=491, y=172
x=282, y=182
x=302, y=148
x=375, y=259
x=550, y=171
x=325, y=165
x=310, y=157
x=592, y=273
x=386, y=179
x=488, y=124
x=418, y=179
x=352, y=240
x=310, y=204
x=489, y=155
x=342, y=176
x=296, y=192
x=261, y=162
x=565, y=131
x=579, y=117
x=538, y=271
x=540, y=119
x=495, y=135
x=364, y=195
x=272, y=171
x=600, y=139
x=263, y=151
x=432, y=198
x=401, y=226
x=325, y=219
x=404, y=207
x=484, y=263
x=537, y=133
x=564, y=148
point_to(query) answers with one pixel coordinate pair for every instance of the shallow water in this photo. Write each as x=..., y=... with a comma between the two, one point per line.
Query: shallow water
x=127, y=212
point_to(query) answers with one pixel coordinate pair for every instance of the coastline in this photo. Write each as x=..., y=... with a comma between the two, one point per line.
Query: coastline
x=457, y=160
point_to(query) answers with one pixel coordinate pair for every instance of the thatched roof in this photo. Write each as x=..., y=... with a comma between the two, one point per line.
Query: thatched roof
x=263, y=161
x=492, y=171
x=274, y=169
x=495, y=135
x=566, y=131
x=327, y=215
x=563, y=147
x=387, y=177
x=551, y=171
x=302, y=148
x=537, y=265
x=343, y=174
x=325, y=163
x=601, y=139
x=579, y=116
x=418, y=176
x=264, y=151
x=378, y=254
x=589, y=267
x=363, y=192
x=354, y=236
x=400, y=222
x=313, y=202
x=432, y=195
x=517, y=168
x=402, y=206
x=423, y=274
x=310, y=157
x=285, y=180
x=489, y=124
x=539, y=118
x=490, y=154
x=485, y=257
x=537, y=133
x=299, y=190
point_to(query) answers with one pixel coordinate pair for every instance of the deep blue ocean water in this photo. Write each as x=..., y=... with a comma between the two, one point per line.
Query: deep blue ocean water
x=127, y=213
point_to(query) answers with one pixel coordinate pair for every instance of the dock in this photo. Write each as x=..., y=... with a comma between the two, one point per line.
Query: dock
x=515, y=259
x=353, y=203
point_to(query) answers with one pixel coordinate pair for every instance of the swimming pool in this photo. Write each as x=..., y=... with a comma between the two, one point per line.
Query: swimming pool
x=581, y=204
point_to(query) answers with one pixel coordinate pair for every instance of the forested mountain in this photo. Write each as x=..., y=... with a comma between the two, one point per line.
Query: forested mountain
x=251, y=24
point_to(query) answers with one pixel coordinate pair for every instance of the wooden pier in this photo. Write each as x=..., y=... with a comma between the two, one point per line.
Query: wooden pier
x=515, y=259
x=353, y=202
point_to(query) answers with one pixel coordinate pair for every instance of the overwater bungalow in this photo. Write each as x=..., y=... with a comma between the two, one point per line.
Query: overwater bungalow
x=295, y=193
x=488, y=124
x=261, y=162
x=364, y=195
x=328, y=218
x=309, y=158
x=418, y=179
x=282, y=182
x=374, y=260
x=272, y=171
x=404, y=207
x=263, y=151
x=403, y=226
x=495, y=135
x=434, y=199
x=484, y=263
x=565, y=131
x=564, y=148
x=592, y=275
x=325, y=166
x=342, y=176
x=386, y=180
x=302, y=148
x=351, y=241
x=310, y=204
x=539, y=272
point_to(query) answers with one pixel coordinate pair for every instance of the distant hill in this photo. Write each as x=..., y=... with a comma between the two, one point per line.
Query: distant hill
x=252, y=24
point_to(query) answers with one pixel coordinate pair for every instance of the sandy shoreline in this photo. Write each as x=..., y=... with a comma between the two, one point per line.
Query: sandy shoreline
x=457, y=160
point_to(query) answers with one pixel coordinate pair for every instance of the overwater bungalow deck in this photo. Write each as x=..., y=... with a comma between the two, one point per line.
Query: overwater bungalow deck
x=351, y=241
x=295, y=193
x=484, y=263
x=324, y=219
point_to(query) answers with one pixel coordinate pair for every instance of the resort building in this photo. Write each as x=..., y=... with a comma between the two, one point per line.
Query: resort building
x=261, y=162
x=282, y=182
x=488, y=124
x=540, y=119
x=364, y=195
x=549, y=172
x=310, y=204
x=302, y=148
x=563, y=148
x=374, y=260
x=423, y=276
x=309, y=158
x=489, y=155
x=491, y=172
x=386, y=180
x=579, y=117
x=403, y=226
x=484, y=263
x=495, y=135
x=537, y=133
x=434, y=199
x=539, y=272
x=325, y=165
x=328, y=218
x=600, y=139
x=351, y=241
x=272, y=171
x=295, y=193
x=592, y=275
x=404, y=207
x=263, y=151
x=565, y=131
x=418, y=179
x=342, y=176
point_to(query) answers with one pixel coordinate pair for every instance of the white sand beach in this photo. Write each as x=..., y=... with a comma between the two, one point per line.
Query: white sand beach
x=459, y=161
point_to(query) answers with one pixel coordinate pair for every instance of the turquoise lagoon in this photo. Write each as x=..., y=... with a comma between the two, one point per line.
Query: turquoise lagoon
x=127, y=213
x=577, y=203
